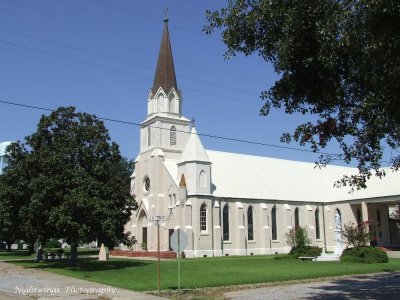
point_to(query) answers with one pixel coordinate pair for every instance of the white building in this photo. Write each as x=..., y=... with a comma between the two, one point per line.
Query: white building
x=234, y=204
x=3, y=158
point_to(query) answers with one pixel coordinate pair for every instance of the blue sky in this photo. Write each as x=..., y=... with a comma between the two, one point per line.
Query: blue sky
x=100, y=56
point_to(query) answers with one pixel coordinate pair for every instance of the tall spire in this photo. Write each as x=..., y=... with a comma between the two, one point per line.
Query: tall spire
x=165, y=72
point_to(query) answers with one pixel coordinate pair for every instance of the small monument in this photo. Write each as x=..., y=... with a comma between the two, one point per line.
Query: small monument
x=104, y=253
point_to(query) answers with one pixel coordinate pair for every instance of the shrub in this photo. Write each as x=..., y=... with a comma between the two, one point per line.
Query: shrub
x=52, y=243
x=357, y=235
x=298, y=237
x=306, y=251
x=364, y=254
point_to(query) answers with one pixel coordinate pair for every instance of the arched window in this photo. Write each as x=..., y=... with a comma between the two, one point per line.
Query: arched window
x=250, y=231
x=225, y=223
x=359, y=216
x=203, y=179
x=149, y=136
x=172, y=136
x=273, y=224
x=317, y=230
x=296, y=218
x=203, y=217
x=338, y=219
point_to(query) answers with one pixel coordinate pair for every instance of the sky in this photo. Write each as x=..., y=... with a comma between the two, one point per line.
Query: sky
x=100, y=57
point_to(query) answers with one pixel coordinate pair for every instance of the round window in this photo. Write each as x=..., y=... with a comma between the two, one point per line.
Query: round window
x=146, y=184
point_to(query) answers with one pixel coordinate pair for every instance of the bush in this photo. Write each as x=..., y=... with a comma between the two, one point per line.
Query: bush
x=357, y=235
x=52, y=243
x=365, y=254
x=306, y=251
x=298, y=237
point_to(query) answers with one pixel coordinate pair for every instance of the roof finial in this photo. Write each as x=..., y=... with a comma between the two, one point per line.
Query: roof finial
x=166, y=15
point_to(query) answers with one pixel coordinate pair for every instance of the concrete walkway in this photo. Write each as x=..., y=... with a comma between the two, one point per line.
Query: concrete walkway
x=17, y=282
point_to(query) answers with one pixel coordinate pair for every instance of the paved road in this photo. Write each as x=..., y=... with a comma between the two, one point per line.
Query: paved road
x=22, y=283
x=376, y=286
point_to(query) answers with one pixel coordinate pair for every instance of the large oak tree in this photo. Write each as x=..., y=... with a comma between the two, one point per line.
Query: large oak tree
x=337, y=60
x=78, y=182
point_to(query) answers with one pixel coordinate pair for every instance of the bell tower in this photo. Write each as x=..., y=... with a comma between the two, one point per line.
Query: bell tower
x=165, y=128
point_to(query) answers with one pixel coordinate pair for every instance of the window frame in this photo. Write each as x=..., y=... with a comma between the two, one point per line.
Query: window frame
x=203, y=218
x=250, y=223
x=274, y=225
x=225, y=223
x=172, y=136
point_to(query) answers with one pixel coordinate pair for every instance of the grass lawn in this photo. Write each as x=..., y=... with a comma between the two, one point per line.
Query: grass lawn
x=23, y=254
x=141, y=275
x=15, y=254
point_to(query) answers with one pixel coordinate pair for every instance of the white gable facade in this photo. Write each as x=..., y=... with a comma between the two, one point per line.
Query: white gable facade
x=235, y=204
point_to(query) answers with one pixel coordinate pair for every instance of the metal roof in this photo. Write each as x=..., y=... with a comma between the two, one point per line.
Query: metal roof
x=241, y=176
x=165, y=71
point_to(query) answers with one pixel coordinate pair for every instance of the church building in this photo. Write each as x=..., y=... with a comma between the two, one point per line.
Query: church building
x=235, y=204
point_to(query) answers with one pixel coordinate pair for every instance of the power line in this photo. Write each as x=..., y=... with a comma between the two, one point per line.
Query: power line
x=130, y=11
x=123, y=43
x=119, y=60
x=199, y=134
x=115, y=70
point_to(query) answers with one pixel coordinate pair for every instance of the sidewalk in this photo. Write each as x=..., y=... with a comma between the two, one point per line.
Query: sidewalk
x=17, y=282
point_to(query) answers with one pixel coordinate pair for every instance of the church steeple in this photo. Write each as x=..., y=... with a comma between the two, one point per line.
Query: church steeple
x=165, y=72
x=165, y=128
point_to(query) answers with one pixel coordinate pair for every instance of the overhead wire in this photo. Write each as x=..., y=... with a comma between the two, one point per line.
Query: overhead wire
x=199, y=134
x=115, y=70
x=119, y=59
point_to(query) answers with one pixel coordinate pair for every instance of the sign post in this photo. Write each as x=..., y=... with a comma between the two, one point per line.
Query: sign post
x=179, y=241
x=158, y=220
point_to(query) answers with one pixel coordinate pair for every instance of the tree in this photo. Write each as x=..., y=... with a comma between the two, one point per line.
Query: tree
x=14, y=196
x=9, y=230
x=338, y=61
x=79, y=182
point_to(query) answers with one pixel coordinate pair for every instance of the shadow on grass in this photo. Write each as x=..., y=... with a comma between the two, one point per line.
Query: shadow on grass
x=4, y=253
x=89, y=265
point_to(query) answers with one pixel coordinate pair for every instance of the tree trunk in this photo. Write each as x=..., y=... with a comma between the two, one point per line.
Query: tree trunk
x=31, y=247
x=9, y=244
x=74, y=254
x=39, y=252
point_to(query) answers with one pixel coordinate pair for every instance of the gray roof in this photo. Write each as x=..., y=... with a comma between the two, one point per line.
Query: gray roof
x=241, y=176
x=165, y=71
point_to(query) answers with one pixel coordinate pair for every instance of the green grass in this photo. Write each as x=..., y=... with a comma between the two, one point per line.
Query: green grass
x=141, y=275
x=15, y=255
x=23, y=254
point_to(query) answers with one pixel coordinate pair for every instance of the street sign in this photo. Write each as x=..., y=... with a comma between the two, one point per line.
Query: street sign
x=158, y=218
x=183, y=240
